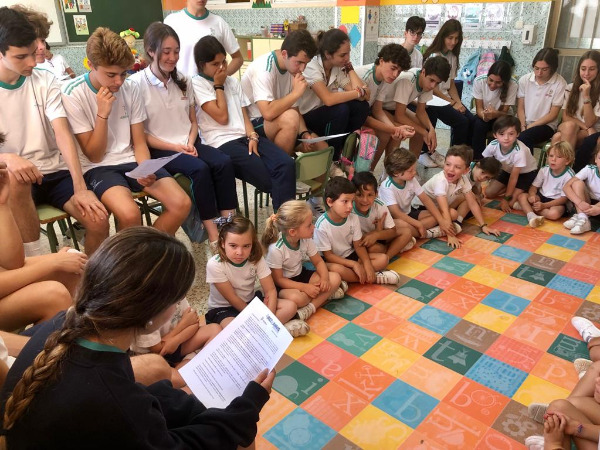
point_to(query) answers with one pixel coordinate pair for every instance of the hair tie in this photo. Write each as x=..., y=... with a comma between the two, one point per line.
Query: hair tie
x=273, y=217
x=221, y=221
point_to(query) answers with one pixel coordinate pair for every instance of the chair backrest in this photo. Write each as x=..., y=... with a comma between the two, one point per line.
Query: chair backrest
x=312, y=165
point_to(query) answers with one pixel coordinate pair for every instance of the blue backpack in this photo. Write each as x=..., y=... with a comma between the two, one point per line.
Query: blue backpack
x=469, y=69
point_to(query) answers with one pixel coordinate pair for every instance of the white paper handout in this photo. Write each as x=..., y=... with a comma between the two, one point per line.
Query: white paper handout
x=436, y=101
x=253, y=341
x=150, y=166
x=322, y=138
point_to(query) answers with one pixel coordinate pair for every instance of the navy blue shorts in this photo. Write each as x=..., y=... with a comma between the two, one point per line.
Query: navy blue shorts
x=303, y=277
x=524, y=181
x=352, y=256
x=414, y=212
x=101, y=179
x=259, y=126
x=217, y=315
x=174, y=358
x=56, y=189
x=544, y=199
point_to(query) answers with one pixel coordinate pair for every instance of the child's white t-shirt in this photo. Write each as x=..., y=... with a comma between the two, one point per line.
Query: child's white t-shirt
x=394, y=194
x=540, y=98
x=591, y=177
x=282, y=255
x=438, y=186
x=315, y=72
x=380, y=90
x=579, y=111
x=241, y=276
x=481, y=91
x=550, y=185
x=167, y=107
x=264, y=80
x=444, y=86
x=375, y=213
x=79, y=99
x=28, y=108
x=213, y=133
x=143, y=341
x=519, y=156
x=191, y=29
x=337, y=237
x=407, y=88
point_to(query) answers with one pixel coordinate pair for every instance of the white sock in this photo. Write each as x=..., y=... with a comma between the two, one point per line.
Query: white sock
x=459, y=219
x=582, y=215
x=32, y=248
x=531, y=215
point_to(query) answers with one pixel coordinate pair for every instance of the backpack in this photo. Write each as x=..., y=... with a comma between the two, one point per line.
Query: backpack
x=486, y=61
x=359, y=151
x=468, y=70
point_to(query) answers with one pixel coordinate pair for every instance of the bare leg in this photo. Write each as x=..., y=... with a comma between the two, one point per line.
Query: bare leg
x=150, y=368
x=175, y=201
x=118, y=201
x=283, y=130
x=23, y=210
x=286, y=310
x=96, y=230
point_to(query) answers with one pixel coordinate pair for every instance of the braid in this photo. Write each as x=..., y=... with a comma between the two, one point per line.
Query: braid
x=503, y=92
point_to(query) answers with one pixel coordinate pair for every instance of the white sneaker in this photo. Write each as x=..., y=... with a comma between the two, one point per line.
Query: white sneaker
x=434, y=232
x=570, y=223
x=581, y=226
x=409, y=245
x=438, y=158
x=301, y=187
x=426, y=161
x=344, y=286
x=387, y=277
x=339, y=293
x=536, y=221
x=317, y=205
x=297, y=327
x=535, y=443
x=306, y=311
x=517, y=206
x=585, y=328
x=336, y=171
x=457, y=227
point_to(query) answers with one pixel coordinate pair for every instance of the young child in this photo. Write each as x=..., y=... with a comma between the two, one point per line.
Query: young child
x=107, y=116
x=398, y=191
x=338, y=236
x=545, y=198
x=485, y=169
x=288, y=238
x=178, y=340
x=519, y=168
x=232, y=273
x=377, y=225
x=451, y=190
x=413, y=32
x=584, y=191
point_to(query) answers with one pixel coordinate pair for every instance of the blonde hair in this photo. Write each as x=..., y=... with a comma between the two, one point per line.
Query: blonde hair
x=289, y=215
x=564, y=150
x=239, y=225
x=38, y=20
x=106, y=48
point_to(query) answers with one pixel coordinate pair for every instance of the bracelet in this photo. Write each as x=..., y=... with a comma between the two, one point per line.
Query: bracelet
x=303, y=133
x=103, y=118
x=252, y=138
x=219, y=86
x=508, y=198
x=483, y=225
x=254, y=133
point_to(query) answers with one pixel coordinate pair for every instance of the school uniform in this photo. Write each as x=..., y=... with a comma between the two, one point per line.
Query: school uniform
x=538, y=100
x=550, y=186
x=579, y=111
x=481, y=91
x=79, y=99
x=585, y=152
x=460, y=123
x=416, y=58
x=338, y=237
x=392, y=193
x=168, y=119
x=439, y=186
x=407, y=90
x=281, y=255
x=27, y=109
x=375, y=213
x=103, y=405
x=57, y=65
x=191, y=29
x=328, y=120
x=273, y=171
x=380, y=90
x=519, y=156
x=591, y=177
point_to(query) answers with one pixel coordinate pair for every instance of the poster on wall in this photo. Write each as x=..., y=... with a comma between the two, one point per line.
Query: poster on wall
x=472, y=19
x=433, y=16
x=372, y=25
x=84, y=6
x=69, y=6
x=81, y=25
x=453, y=12
x=494, y=16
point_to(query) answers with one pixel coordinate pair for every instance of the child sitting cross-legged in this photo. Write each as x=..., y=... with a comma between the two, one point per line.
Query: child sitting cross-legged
x=545, y=198
x=485, y=169
x=338, y=236
x=288, y=238
x=380, y=233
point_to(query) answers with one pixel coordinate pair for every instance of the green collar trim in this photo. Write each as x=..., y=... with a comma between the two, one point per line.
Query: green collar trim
x=358, y=213
x=336, y=224
x=471, y=167
x=89, y=83
x=560, y=174
x=287, y=244
x=516, y=146
x=11, y=87
x=200, y=74
x=97, y=346
x=202, y=17
x=277, y=63
x=396, y=184
x=374, y=77
x=242, y=264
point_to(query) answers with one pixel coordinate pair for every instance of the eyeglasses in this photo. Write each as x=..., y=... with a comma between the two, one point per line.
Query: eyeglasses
x=414, y=33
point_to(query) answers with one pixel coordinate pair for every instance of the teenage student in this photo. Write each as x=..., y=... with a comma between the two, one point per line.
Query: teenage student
x=194, y=22
x=418, y=85
x=84, y=365
x=57, y=65
x=581, y=111
x=107, y=116
x=540, y=96
x=224, y=124
x=413, y=32
x=337, y=101
x=171, y=127
x=494, y=94
x=39, y=151
x=457, y=116
x=379, y=77
x=274, y=84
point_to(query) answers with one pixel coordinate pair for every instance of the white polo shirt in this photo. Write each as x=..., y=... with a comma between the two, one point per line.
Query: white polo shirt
x=264, y=80
x=191, y=29
x=167, y=107
x=79, y=98
x=591, y=177
x=407, y=88
x=27, y=109
x=550, y=185
x=540, y=98
x=57, y=65
x=393, y=193
x=438, y=186
x=518, y=156
x=337, y=237
x=213, y=133
x=242, y=278
x=579, y=112
x=375, y=212
x=416, y=58
x=444, y=86
x=315, y=72
x=282, y=255
x=481, y=91
x=380, y=90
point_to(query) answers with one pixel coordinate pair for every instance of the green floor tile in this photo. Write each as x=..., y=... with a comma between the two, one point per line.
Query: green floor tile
x=435, y=245
x=533, y=274
x=569, y=348
x=419, y=291
x=453, y=355
x=354, y=339
x=297, y=382
x=515, y=218
x=347, y=307
x=453, y=265
x=490, y=237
